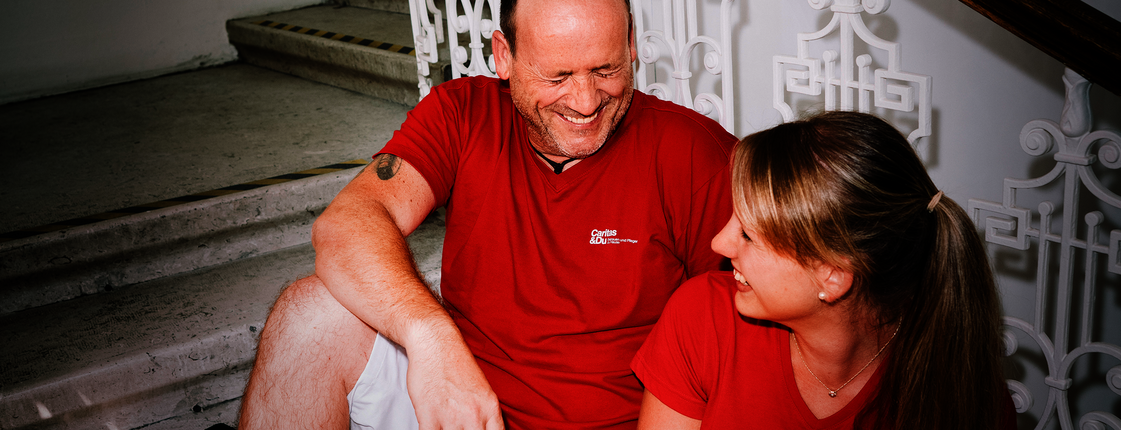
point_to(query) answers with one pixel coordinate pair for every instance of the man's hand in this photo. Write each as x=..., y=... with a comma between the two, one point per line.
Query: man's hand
x=447, y=387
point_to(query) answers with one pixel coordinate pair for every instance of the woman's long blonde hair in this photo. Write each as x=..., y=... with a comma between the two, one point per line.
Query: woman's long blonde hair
x=847, y=189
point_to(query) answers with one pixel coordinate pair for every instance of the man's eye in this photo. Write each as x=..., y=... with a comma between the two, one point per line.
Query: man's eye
x=745, y=237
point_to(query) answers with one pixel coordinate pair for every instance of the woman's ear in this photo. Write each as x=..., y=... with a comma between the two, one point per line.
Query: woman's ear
x=835, y=281
x=503, y=59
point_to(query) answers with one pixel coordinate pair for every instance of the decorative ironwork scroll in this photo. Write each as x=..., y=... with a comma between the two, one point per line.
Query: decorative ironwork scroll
x=846, y=73
x=677, y=38
x=1012, y=227
x=427, y=36
x=477, y=27
x=428, y=33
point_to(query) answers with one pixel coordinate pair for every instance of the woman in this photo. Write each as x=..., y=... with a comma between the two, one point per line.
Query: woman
x=866, y=297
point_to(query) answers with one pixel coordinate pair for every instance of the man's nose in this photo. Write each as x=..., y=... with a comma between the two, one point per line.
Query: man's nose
x=585, y=99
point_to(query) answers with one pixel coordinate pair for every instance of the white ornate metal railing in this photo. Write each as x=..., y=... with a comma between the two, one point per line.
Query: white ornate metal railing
x=678, y=38
x=427, y=37
x=672, y=44
x=1012, y=227
x=848, y=78
x=478, y=21
x=478, y=27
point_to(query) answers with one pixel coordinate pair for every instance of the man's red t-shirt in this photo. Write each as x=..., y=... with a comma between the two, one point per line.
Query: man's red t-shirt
x=555, y=280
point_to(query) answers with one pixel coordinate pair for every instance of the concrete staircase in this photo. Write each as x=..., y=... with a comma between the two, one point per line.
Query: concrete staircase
x=151, y=320
x=361, y=45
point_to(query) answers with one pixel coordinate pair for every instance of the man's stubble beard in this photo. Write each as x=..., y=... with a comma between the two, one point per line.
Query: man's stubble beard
x=541, y=135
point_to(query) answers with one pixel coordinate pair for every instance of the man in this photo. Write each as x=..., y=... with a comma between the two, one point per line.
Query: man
x=574, y=209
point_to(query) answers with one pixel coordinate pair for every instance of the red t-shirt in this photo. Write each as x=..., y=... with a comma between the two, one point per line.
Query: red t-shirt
x=555, y=280
x=707, y=362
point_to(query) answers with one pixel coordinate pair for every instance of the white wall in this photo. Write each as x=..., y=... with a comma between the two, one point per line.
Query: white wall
x=51, y=47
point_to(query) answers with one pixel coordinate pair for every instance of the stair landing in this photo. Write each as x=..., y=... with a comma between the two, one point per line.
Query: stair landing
x=364, y=50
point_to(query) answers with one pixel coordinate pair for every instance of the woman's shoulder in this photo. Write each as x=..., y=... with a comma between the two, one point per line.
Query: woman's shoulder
x=709, y=300
x=705, y=291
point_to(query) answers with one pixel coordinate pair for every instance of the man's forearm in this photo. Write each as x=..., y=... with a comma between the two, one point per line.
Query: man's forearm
x=363, y=258
x=365, y=262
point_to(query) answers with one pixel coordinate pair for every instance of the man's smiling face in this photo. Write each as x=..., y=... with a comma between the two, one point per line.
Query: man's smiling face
x=571, y=79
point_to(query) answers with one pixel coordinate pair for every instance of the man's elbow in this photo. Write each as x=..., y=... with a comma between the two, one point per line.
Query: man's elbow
x=344, y=222
x=326, y=229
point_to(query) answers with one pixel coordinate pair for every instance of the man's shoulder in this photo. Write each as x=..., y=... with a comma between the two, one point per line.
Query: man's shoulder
x=674, y=132
x=473, y=85
x=652, y=110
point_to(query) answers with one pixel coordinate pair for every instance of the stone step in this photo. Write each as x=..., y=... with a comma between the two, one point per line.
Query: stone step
x=398, y=6
x=76, y=155
x=144, y=353
x=361, y=49
x=211, y=228
x=172, y=352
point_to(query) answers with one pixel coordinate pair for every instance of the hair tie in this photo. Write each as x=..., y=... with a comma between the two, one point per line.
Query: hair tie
x=934, y=201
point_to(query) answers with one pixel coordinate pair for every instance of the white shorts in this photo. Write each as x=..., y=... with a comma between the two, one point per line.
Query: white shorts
x=380, y=399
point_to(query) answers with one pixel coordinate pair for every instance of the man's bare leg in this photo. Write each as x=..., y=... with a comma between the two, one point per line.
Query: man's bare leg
x=311, y=353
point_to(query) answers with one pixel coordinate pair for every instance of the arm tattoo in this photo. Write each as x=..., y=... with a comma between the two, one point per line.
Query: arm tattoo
x=387, y=166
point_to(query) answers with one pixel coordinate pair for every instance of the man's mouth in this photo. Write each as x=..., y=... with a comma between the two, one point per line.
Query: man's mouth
x=581, y=120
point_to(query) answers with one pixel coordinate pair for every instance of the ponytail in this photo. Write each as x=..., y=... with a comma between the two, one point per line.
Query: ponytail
x=949, y=340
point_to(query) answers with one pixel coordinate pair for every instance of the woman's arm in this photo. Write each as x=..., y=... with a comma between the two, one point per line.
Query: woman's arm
x=656, y=415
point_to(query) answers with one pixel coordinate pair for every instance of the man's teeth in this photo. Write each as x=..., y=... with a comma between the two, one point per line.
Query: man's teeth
x=739, y=277
x=581, y=120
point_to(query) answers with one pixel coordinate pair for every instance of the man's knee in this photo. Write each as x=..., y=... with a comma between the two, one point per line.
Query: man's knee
x=310, y=340
x=306, y=297
x=307, y=312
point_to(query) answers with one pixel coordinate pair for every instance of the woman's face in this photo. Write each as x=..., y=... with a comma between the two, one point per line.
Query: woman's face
x=771, y=286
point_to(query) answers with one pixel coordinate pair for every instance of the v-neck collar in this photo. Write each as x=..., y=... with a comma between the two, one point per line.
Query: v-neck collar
x=849, y=411
x=579, y=170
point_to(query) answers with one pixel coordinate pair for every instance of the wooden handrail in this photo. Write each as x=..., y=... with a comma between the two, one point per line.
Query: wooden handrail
x=1081, y=37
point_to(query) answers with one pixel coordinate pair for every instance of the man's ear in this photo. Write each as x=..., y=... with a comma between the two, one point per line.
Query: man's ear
x=835, y=281
x=503, y=58
x=631, y=41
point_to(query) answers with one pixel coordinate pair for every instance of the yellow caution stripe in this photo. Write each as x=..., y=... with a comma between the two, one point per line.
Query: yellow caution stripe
x=407, y=50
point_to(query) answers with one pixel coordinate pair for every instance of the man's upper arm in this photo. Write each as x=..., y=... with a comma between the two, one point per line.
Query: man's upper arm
x=391, y=183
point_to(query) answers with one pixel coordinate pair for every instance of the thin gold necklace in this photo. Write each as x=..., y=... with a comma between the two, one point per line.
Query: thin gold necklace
x=832, y=392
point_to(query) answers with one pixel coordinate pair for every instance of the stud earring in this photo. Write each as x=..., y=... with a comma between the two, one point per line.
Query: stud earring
x=821, y=296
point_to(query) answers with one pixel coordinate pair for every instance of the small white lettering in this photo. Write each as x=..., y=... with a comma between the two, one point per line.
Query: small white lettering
x=607, y=237
x=604, y=233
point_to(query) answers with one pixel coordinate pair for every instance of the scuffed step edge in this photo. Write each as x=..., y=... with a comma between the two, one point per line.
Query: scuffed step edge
x=99, y=257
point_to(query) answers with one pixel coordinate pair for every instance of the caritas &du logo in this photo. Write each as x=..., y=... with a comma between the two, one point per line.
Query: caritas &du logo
x=600, y=236
x=607, y=237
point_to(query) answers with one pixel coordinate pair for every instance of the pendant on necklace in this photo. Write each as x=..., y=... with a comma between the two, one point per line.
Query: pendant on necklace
x=832, y=393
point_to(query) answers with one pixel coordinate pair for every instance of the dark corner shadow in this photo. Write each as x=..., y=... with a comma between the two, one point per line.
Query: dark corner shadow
x=999, y=42
x=1106, y=109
